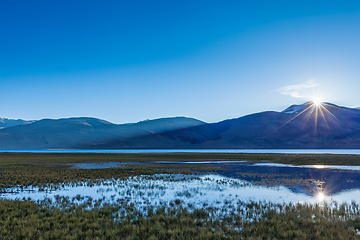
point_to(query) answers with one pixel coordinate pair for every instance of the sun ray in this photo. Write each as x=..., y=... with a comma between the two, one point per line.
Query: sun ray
x=308, y=115
x=289, y=120
x=334, y=116
x=323, y=116
x=334, y=106
x=318, y=109
x=316, y=118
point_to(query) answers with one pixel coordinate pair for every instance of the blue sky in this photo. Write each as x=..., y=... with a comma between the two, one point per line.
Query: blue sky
x=126, y=61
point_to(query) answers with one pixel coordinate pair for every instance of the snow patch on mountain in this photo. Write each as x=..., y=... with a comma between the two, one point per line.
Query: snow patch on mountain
x=295, y=109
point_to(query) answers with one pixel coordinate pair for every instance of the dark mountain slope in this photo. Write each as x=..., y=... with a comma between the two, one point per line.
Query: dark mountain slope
x=302, y=126
x=299, y=126
x=184, y=137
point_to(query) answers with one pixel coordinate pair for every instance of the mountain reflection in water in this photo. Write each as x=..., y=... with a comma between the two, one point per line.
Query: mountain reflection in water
x=310, y=180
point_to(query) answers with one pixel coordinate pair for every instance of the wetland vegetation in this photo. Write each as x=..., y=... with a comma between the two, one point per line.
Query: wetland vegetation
x=67, y=220
x=145, y=199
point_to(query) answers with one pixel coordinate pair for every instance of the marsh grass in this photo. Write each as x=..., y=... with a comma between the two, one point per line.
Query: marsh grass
x=16, y=159
x=54, y=177
x=66, y=219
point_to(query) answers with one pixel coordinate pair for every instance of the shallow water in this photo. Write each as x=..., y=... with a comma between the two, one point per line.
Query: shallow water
x=97, y=165
x=231, y=181
x=335, y=167
x=307, y=179
x=299, y=179
x=208, y=190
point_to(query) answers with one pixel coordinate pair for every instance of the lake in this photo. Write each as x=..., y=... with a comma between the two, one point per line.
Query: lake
x=230, y=183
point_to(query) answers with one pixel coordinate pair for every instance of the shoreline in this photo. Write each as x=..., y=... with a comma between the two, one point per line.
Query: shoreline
x=19, y=158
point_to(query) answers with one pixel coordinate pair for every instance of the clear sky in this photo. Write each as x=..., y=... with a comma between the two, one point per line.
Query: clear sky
x=126, y=61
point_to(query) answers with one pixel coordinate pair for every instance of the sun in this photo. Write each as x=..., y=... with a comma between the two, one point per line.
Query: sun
x=317, y=101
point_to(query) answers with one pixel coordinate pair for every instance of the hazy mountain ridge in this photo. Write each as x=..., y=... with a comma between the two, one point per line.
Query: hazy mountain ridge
x=5, y=122
x=299, y=126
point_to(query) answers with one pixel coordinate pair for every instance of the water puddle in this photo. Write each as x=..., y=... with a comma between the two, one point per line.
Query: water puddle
x=100, y=165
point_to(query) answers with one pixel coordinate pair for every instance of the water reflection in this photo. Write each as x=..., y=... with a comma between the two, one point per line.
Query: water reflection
x=96, y=165
x=208, y=190
x=320, y=197
x=230, y=183
x=309, y=181
x=316, y=166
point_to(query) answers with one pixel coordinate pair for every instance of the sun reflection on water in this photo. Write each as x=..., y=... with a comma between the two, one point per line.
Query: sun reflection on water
x=320, y=197
x=319, y=166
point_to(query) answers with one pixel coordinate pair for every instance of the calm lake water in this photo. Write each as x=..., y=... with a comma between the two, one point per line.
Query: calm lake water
x=284, y=151
x=211, y=190
x=229, y=183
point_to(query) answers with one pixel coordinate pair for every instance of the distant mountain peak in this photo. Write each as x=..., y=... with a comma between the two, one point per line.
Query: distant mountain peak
x=6, y=122
x=307, y=106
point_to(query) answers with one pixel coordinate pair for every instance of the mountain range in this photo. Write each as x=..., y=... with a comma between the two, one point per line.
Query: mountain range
x=305, y=126
x=5, y=122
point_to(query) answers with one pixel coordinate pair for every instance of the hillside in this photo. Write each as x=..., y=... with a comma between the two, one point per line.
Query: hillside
x=299, y=126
